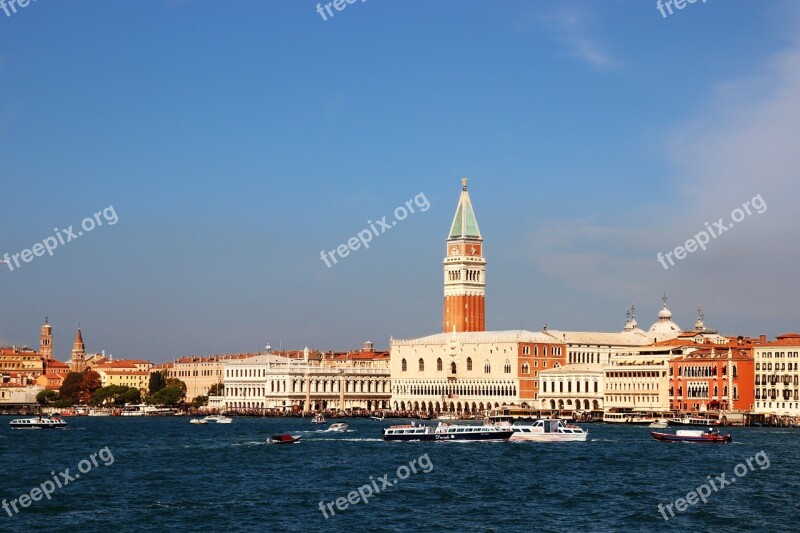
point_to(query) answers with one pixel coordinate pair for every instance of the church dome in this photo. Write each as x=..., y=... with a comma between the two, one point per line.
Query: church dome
x=665, y=326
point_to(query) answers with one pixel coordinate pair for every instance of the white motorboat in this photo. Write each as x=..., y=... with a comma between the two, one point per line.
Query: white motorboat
x=319, y=418
x=339, y=426
x=659, y=424
x=213, y=418
x=38, y=422
x=548, y=431
x=198, y=421
x=378, y=418
x=224, y=420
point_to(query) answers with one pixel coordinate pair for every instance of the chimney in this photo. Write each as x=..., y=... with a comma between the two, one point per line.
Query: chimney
x=762, y=338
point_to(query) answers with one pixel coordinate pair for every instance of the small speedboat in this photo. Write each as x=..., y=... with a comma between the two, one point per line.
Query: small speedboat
x=659, y=424
x=693, y=435
x=198, y=421
x=378, y=418
x=224, y=420
x=38, y=422
x=318, y=419
x=284, y=439
x=339, y=426
x=212, y=418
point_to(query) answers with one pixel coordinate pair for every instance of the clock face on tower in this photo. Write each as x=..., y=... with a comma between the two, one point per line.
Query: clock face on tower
x=471, y=249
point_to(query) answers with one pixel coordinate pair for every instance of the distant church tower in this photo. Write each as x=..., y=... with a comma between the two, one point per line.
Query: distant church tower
x=464, y=271
x=78, y=361
x=46, y=341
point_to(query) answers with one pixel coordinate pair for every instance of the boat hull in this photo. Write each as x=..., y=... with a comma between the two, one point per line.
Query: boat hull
x=284, y=439
x=476, y=436
x=549, y=437
x=714, y=439
x=422, y=437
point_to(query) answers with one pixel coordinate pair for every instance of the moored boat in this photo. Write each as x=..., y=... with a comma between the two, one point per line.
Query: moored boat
x=659, y=424
x=693, y=421
x=693, y=435
x=202, y=421
x=284, y=439
x=548, y=431
x=616, y=418
x=38, y=422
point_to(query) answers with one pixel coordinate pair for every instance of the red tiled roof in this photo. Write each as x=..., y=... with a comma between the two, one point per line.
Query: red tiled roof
x=124, y=373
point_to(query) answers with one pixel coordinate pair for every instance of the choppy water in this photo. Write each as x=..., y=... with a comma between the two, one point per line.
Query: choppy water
x=169, y=475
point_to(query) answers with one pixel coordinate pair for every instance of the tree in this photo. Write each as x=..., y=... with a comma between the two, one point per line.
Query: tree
x=217, y=389
x=70, y=388
x=158, y=380
x=200, y=401
x=175, y=382
x=116, y=395
x=46, y=397
x=132, y=395
x=90, y=382
x=169, y=396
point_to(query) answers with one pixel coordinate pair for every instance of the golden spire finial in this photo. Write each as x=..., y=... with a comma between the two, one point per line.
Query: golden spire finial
x=464, y=183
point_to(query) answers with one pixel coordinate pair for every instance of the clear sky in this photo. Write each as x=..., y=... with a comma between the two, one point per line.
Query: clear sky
x=236, y=140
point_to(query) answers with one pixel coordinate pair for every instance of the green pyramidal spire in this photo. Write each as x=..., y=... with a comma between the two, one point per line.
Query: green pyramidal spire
x=465, y=225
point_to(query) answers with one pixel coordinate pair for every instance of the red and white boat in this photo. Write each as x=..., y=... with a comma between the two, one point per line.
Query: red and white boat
x=693, y=435
x=284, y=439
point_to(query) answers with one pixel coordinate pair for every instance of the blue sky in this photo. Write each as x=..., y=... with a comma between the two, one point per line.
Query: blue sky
x=238, y=140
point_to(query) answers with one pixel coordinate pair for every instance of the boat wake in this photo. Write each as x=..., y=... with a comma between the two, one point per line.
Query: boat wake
x=603, y=440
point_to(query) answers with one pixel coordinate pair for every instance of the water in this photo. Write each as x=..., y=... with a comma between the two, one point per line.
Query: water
x=170, y=475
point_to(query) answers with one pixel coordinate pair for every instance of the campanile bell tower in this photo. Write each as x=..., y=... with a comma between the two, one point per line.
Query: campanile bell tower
x=464, y=271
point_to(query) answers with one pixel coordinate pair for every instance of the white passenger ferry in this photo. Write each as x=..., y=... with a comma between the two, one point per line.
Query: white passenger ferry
x=616, y=418
x=446, y=432
x=548, y=431
x=38, y=422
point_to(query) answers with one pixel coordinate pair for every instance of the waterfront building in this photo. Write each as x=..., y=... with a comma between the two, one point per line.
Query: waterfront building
x=21, y=360
x=15, y=397
x=366, y=357
x=199, y=373
x=134, y=373
x=713, y=377
x=637, y=382
x=54, y=374
x=470, y=372
x=697, y=370
x=269, y=381
x=777, y=377
x=572, y=388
